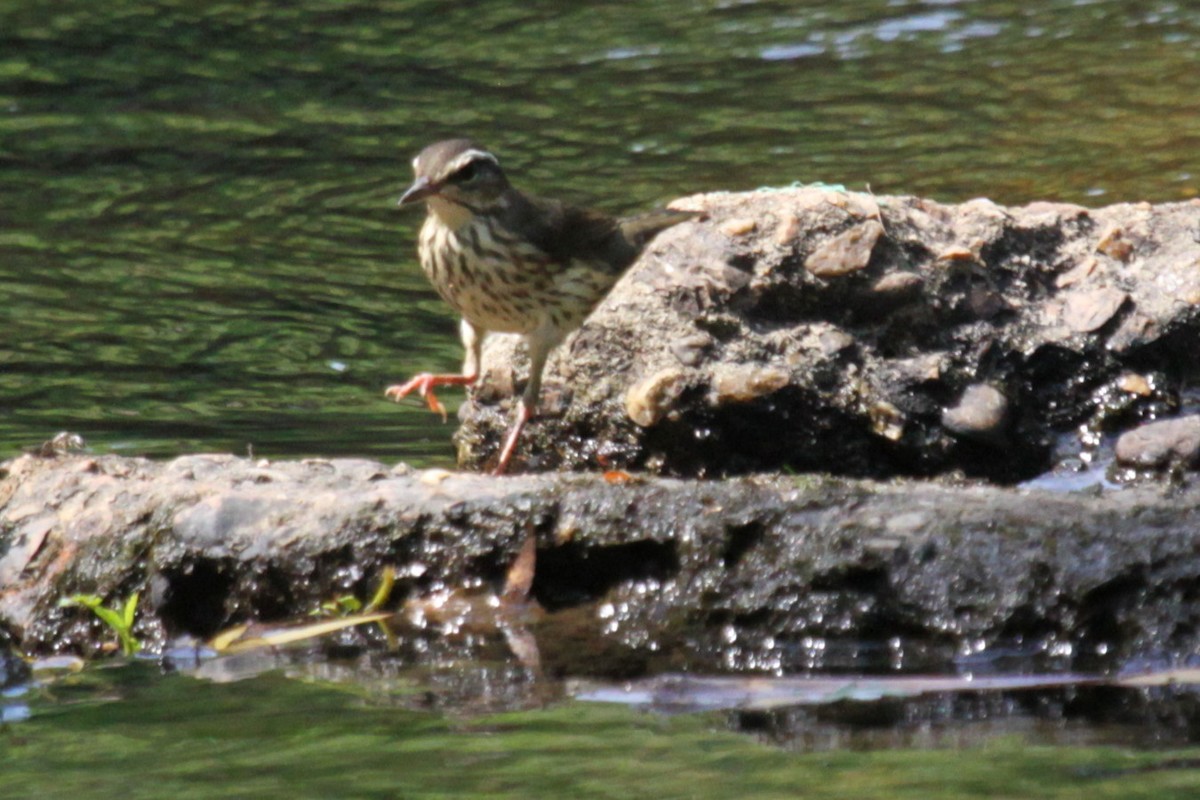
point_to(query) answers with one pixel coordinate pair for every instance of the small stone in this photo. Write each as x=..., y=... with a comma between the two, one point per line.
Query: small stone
x=741, y=383
x=920, y=369
x=690, y=350
x=1133, y=383
x=847, y=252
x=434, y=476
x=649, y=400
x=887, y=420
x=957, y=253
x=1158, y=444
x=833, y=341
x=739, y=226
x=986, y=303
x=981, y=413
x=898, y=284
x=788, y=230
x=1114, y=244
x=1084, y=312
x=1134, y=331
x=1077, y=273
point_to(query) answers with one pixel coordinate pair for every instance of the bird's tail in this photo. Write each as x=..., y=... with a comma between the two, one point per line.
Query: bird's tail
x=641, y=228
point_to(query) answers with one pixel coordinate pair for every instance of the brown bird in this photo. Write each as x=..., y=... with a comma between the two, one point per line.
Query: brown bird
x=512, y=263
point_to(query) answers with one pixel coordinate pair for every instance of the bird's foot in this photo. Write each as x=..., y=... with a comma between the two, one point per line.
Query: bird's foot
x=524, y=412
x=424, y=384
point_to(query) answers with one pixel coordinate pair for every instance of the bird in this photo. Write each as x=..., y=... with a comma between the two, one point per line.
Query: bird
x=509, y=262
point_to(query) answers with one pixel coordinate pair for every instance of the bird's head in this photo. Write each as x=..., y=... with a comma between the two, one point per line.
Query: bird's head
x=456, y=176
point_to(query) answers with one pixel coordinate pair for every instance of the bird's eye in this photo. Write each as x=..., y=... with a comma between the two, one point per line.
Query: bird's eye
x=468, y=173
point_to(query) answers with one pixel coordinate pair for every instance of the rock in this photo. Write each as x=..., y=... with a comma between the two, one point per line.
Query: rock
x=741, y=384
x=887, y=420
x=690, y=350
x=898, y=284
x=1114, y=244
x=1160, y=444
x=981, y=413
x=649, y=400
x=833, y=342
x=847, y=252
x=1077, y=274
x=738, y=227
x=1135, y=330
x=768, y=559
x=1035, y=308
x=958, y=253
x=1134, y=383
x=1088, y=311
x=788, y=231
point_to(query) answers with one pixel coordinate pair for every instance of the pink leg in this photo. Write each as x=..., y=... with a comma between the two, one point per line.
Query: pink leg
x=424, y=385
x=510, y=443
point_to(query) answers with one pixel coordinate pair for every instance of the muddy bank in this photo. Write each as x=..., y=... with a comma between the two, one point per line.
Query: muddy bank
x=748, y=573
x=867, y=336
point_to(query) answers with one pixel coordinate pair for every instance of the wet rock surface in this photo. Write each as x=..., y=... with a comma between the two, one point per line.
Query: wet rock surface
x=819, y=332
x=981, y=413
x=1161, y=444
x=829, y=331
x=752, y=573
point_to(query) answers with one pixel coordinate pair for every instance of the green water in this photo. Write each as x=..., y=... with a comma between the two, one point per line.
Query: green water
x=271, y=737
x=199, y=248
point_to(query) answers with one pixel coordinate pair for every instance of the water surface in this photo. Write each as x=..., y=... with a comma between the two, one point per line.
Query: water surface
x=131, y=733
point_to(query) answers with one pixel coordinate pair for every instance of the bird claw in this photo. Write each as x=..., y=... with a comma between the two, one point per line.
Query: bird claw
x=423, y=384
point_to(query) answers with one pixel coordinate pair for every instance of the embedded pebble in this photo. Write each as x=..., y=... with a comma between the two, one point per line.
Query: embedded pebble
x=650, y=399
x=1114, y=244
x=434, y=476
x=788, y=230
x=847, y=252
x=690, y=350
x=1077, y=273
x=739, y=226
x=1088, y=311
x=1134, y=331
x=981, y=413
x=1158, y=444
x=920, y=369
x=834, y=341
x=741, y=383
x=887, y=420
x=1133, y=383
x=957, y=253
x=898, y=284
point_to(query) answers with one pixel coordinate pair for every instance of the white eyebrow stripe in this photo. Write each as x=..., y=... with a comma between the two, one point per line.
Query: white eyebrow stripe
x=469, y=156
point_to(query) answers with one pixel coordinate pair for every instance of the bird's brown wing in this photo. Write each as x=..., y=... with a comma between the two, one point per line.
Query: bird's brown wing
x=566, y=233
x=641, y=228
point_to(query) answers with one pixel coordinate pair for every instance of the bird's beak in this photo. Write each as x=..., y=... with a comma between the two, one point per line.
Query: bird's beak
x=421, y=189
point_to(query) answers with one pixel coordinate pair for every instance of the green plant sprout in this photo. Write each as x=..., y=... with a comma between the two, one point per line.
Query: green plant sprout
x=119, y=617
x=347, y=604
x=340, y=606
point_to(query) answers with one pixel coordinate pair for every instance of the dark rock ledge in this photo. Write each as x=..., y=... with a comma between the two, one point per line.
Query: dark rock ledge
x=809, y=330
x=741, y=573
